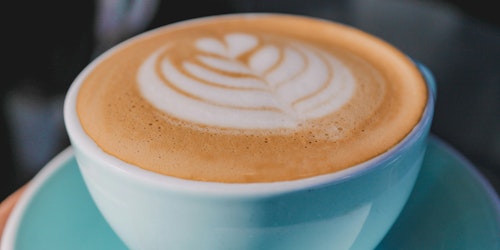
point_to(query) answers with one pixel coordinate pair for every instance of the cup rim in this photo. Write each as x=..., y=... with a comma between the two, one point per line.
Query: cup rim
x=82, y=142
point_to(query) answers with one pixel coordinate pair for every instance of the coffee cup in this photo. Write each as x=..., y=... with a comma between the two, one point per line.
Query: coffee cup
x=251, y=131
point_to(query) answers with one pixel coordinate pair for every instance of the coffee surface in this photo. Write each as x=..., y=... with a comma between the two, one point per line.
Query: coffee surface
x=250, y=98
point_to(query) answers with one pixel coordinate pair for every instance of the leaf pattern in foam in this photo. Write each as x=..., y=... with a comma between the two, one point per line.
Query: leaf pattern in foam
x=275, y=86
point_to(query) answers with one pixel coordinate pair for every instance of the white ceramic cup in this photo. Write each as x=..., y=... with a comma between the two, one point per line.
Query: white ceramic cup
x=350, y=209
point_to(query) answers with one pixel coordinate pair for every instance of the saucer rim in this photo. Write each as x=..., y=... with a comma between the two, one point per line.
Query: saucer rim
x=473, y=170
x=10, y=234
x=8, y=238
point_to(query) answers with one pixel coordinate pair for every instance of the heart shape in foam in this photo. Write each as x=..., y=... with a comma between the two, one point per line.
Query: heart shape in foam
x=235, y=45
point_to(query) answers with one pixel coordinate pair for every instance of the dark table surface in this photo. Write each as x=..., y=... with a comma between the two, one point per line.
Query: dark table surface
x=460, y=48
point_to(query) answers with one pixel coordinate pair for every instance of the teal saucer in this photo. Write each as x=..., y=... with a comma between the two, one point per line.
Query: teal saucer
x=452, y=207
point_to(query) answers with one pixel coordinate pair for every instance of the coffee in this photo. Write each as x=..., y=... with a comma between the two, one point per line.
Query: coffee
x=250, y=98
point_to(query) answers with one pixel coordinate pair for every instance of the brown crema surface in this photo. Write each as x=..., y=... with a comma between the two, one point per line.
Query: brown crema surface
x=388, y=101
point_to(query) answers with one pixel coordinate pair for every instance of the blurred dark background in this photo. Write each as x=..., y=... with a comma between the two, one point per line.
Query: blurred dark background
x=47, y=43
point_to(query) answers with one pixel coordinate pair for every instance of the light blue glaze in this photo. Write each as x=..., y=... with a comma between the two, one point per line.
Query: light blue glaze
x=355, y=212
x=57, y=213
x=351, y=209
x=451, y=207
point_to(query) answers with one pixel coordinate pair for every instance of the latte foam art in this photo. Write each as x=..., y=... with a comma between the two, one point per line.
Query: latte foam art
x=245, y=81
x=250, y=98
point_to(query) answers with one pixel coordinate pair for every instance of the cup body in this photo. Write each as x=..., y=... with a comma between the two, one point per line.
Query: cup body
x=350, y=209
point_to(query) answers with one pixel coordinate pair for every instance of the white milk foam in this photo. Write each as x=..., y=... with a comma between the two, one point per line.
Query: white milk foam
x=247, y=82
x=251, y=98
